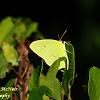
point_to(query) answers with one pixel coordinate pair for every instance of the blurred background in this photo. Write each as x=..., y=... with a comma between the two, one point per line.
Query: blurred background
x=82, y=22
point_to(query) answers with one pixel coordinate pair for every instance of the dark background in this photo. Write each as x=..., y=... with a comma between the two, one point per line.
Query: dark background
x=81, y=19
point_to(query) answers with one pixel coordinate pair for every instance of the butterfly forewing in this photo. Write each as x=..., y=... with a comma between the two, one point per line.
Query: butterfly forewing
x=50, y=50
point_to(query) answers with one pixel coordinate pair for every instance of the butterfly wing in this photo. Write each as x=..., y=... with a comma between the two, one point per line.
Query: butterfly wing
x=50, y=50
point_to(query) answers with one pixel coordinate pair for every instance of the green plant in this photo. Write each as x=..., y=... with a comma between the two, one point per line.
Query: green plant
x=50, y=85
x=14, y=54
x=94, y=83
x=31, y=80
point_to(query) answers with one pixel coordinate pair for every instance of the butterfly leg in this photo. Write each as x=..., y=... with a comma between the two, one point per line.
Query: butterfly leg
x=69, y=52
x=68, y=43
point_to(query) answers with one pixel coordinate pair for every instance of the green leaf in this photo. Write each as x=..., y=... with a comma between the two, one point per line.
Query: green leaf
x=4, y=66
x=68, y=77
x=37, y=93
x=10, y=83
x=11, y=54
x=38, y=35
x=51, y=81
x=19, y=30
x=42, y=79
x=27, y=97
x=45, y=97
x=94, y=83
x=24, y=26
x=71, y=56
x=32, y=27
x=20, y=27
x=5, y=27
x=34, y=78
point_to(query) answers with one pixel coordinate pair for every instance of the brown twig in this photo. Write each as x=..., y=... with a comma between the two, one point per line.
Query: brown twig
x=15, y=97
x=24, y=70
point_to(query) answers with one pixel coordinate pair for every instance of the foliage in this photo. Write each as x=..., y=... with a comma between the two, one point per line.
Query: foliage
x=31, y=78
x=14, y=53
x=32, y=82
x=12, y=29
x=10, y=54
x=94, y=83
x=58, y=89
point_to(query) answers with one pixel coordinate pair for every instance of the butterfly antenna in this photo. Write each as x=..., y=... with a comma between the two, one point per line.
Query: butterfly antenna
x=63, y=34
x=58, y=37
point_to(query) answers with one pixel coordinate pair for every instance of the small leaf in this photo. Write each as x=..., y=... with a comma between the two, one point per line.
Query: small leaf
x=41, y=79
x=51, y=81
x=5, y=27
x=71, y=56
x=94, y=83
x=27, y=97
x=32, y=27
x=34, y=78
x=68, y=77
x=37, y=93
x=24, y=26
x=4, y=66
x=11, y=54
x=45, y=97
x=10, y=83
x=19, y=30
x=38, y=35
